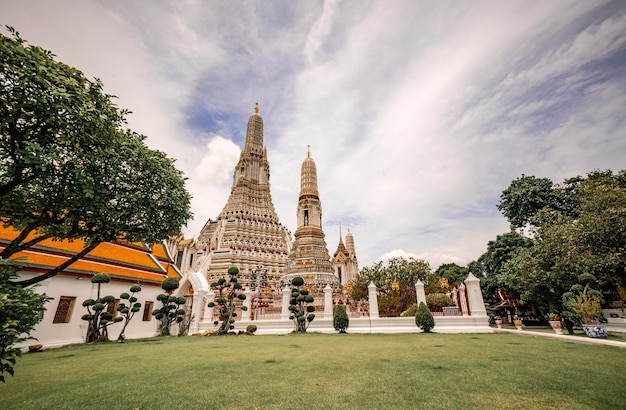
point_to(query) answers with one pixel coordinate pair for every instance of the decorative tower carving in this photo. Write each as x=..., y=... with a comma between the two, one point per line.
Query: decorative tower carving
x=309, y=256
x=345, y=263
x=247, y=233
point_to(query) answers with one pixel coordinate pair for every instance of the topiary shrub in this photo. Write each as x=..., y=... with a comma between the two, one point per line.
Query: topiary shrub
x=424, y=319
x=299, y=305
x=341, y=321
x=436, y=301
x=170, y=312
x=228, y=292
x=251, y=328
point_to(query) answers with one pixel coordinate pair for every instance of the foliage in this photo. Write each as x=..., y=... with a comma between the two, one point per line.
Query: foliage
x=251, y=328
x=395, y=281
x=20, y=310
x=229, y=291
x=98, y=316
x=452, y=274
x=424, y=319
x=564, y=248
x=436, y=301
x=300, y=308
x=489, y=266
x=586, y=306
x=128, y=311
x=341, y=321
x=68, y=169
x=170, y=312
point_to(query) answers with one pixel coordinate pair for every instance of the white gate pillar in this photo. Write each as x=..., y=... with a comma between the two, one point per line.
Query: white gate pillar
x=328, y=302
x=475, y=296
x=419, y=292
x=208, y=311
x=197, y=310
x=373, y=299
x=284, y=314
x=247, y=302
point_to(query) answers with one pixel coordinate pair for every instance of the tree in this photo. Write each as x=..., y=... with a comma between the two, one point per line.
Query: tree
x=341, y=321
x=395, y=281
x=98, y=316
x=20, y=311
x=453, y=273
x=68, y=170
x=424, y=319
x=229, y=291
x=300, y=305
x=170, y=312
x=128, y=312
x=587, y=238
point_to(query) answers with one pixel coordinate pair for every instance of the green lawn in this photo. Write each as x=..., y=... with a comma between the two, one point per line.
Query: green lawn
x=315, y=371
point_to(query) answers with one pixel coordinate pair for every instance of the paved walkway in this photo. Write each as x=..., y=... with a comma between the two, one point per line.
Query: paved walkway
x=576, y=339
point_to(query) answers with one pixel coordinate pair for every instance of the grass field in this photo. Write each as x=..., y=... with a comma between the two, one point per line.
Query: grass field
x=315, y=371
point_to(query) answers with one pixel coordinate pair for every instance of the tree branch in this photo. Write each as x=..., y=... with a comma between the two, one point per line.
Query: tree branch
x=60, y=268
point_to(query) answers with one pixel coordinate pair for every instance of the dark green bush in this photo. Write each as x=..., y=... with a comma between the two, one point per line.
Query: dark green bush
x=436, y=301
x=251, y=328
x=341, y=321
x=424, y=319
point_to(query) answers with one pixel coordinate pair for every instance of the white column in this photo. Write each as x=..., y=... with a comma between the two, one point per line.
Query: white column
x=247, y=302
x=284, y=314
x=419, y=292
x=373, y=299
x=208, y=312
x=197, y=310
x=463, y=300
x=328, y=302
x=475, y=296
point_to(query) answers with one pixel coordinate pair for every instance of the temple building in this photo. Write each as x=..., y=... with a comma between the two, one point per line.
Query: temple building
x=309, y=256
x=345, y=262
x=247, y=233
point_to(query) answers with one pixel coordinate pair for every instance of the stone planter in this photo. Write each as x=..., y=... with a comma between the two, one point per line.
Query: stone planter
x=556, y=326
x=499, y=323
x=595, y=331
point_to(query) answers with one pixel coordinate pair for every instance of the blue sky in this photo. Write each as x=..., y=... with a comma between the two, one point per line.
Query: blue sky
x=418, y=113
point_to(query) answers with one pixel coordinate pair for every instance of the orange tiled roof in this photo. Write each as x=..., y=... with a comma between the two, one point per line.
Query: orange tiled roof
x=132, y=261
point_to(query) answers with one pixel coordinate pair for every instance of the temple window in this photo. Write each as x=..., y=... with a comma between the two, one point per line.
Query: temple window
x=64, y=309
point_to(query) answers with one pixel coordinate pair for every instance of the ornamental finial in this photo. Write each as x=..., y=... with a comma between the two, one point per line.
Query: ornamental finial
x=256, y=108
x=308, y=152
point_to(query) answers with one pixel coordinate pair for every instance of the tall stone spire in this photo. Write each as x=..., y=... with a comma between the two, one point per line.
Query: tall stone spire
x=309, y=256
x=247, y=232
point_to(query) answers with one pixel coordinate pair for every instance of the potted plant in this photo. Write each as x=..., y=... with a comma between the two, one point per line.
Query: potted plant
x=555, y=323
x=518, y=322
x=498, y=320
x=587, y=306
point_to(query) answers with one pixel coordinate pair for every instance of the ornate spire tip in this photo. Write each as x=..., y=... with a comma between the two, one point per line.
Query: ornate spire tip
x=308, y=151
x=256, y=108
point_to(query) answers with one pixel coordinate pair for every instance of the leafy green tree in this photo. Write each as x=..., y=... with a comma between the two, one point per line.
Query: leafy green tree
x=20, y=311
x=98, y=316
x=128, y=311
x=68, y=169
x=565, y=247
x=437, y=301
x=170, y=312
x=300, y=305
x=341, y=321
x=489, y=266
x=229, y=291
x=454, y=273
x=424, y=319
x=395, y=281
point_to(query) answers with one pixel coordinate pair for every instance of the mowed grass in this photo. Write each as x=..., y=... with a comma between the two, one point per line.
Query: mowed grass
x=316, y=371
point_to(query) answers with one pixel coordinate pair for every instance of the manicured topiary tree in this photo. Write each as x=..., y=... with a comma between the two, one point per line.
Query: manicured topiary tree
x=341, y=321
x=228, y=293
x=300, y=305
x=128, y=312
x=98, y=316
x=171, y=311
x=423, y=318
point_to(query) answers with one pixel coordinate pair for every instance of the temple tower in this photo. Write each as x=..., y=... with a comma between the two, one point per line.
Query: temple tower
x=309, y=256
x=247, y=233
x=345, y=262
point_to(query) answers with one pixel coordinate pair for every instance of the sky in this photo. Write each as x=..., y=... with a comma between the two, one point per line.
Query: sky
x=418, y=113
